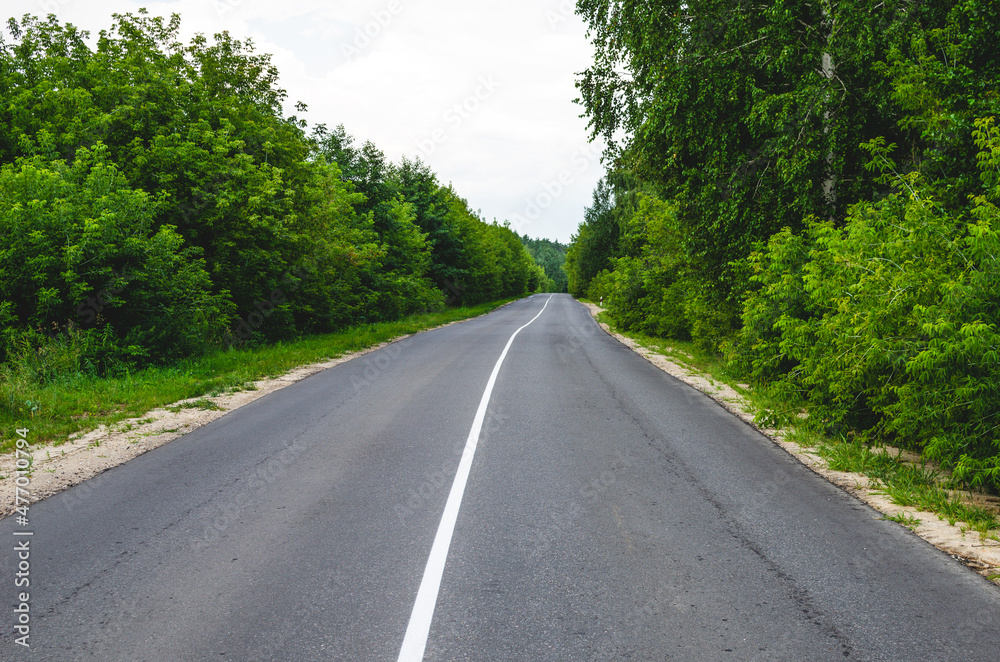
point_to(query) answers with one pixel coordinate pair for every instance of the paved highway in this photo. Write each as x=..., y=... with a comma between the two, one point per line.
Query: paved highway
x=603, y=511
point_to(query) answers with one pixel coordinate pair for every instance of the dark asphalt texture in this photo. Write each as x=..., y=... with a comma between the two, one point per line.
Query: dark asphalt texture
x=612, y=513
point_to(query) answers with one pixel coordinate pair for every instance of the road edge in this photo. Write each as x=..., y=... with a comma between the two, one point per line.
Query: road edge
x=983, y=559
x=84, y=457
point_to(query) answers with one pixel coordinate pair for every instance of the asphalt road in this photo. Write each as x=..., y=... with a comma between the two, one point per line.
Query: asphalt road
x=610, y=513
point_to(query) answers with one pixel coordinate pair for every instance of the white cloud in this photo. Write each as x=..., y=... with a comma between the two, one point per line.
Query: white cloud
x=397, y=71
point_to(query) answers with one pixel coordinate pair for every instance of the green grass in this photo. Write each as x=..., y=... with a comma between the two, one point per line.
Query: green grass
x=857, y=457
x=905, y=519
x=803, y=437
x=908, y=484
x=201, y=403
x=946, y=505
x=78, y=403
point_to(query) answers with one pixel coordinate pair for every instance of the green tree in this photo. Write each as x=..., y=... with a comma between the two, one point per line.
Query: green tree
x=550, y=256
x=215, y=208
x=405, y=283
x=595, y=243
x=751, y=118
x=430, y=203
x=81, y=255
x=887, y=326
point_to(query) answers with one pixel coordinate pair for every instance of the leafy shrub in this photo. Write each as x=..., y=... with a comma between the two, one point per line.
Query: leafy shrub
x=889, y=325
x=79, y=250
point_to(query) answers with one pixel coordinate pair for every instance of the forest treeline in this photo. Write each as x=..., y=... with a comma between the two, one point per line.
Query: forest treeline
x=551, y=257
x=155, y=203
x=809, y=189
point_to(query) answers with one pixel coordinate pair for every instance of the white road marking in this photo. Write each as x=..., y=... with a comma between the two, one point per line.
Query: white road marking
x=423, y=609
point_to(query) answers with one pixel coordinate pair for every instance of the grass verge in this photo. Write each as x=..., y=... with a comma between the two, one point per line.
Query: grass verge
x=79, y=403
x=910, y=483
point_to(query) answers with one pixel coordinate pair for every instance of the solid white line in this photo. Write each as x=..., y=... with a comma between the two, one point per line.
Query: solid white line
x=423, y=609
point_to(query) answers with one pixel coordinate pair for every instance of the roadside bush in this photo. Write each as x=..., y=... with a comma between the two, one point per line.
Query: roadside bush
x=79, y=252
x=950, y=403
x=888, y=325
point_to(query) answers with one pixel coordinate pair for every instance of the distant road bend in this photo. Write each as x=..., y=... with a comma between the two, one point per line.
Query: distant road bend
x=516, y=487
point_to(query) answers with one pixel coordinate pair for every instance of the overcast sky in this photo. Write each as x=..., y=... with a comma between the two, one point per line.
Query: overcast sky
x=482, y=91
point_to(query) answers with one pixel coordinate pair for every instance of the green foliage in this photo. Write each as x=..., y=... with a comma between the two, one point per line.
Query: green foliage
x=596, y=242
x=81, y=253
x=438, y=220
x=889, y=325
x=647, y=291
x=155, y=204
x=751, y=118
x=494, y=262
x=811, y=187
x=199, y=124
x=652, y=283
x=550, y=256
x=73, y=402
x=908, y=485
x=402, y=282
